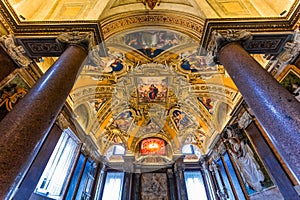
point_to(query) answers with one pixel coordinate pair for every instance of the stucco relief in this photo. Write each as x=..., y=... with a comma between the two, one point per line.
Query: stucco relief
x=154, y=186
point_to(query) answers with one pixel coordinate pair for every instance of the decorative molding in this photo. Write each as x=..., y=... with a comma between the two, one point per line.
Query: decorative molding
x=271, y=43
x=53, y=46
x=39, y=47
x=17, y=53
x=151, y=3
x=220, y=92
x=188, y=24
x=244, y=120
x=62, y=122
x=254, y=43
x=289, y=53
x=5, y=24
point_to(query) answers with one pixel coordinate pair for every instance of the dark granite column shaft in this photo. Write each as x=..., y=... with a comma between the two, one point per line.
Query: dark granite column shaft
x=179, y=178
x=23, y=129
x=170, y=175
x=126, y=193
x=276, y=109
x=137, y=186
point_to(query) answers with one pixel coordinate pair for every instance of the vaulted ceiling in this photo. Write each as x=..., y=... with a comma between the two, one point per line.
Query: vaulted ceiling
x=146, y=78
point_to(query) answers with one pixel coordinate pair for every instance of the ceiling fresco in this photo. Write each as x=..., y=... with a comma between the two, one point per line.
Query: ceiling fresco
x=146, y=87
x=153, y=84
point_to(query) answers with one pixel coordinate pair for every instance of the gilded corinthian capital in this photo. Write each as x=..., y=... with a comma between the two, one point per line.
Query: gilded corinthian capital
x=85, y=40
x=219, y=40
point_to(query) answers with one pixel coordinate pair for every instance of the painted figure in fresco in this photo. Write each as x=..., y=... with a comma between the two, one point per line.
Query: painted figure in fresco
x=208, y=103
x=195, y=63
x=153, y=91
x=244, y=158
x=152, y=43
x=117, y=65
x=180, y=119
x=123, y=121
x=110, y=65
x=185, y=64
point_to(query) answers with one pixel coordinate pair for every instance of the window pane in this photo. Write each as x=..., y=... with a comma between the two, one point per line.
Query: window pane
x=187, y=149
x=113, y=186
x=75, y=177
x=87, y=180
x=194, y=185
x=225, y=179
x=53, y=178
x=234, y=178
x=119, y=150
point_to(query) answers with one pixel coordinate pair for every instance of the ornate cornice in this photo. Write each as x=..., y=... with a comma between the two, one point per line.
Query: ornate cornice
x=37, y=29
x=5, y=24
x=254, y=43
x=257, y=26
x=186, y=23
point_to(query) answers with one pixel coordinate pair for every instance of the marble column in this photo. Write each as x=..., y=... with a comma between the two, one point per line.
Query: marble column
x=101, y=182
x=126, y=193
x=170, y=175
x=210, y=187
x=222, y=191
x=179, y=178
x=214, y=181
x=275, y=108
x=26, y=126
x=128, y=168
x=137, y=186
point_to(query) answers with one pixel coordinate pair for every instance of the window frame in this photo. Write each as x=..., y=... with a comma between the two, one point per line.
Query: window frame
x=68, y=139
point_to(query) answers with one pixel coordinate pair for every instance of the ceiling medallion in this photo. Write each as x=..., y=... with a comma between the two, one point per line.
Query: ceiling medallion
x=151, y=3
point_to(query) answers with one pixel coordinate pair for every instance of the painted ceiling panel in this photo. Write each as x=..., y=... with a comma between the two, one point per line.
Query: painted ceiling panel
x=151, y=82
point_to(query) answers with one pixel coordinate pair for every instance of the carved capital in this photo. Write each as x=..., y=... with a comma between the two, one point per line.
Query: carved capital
x=291, y=50
x=213, y=167
x=218, y=40
x=62, y=122
x=17, y=53
x=128, y=165
x=244, y=120
x=85, y=40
